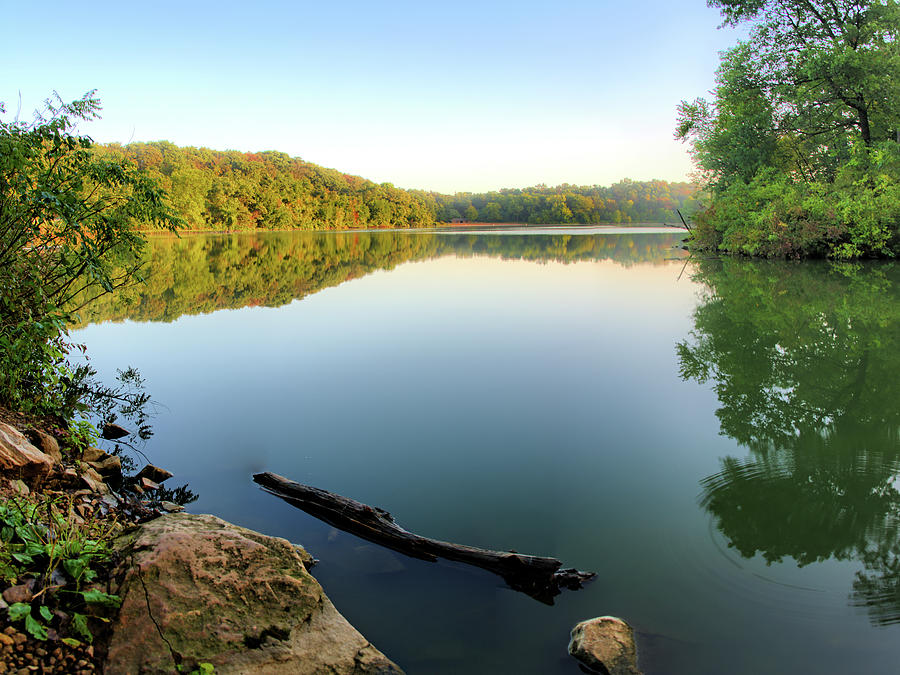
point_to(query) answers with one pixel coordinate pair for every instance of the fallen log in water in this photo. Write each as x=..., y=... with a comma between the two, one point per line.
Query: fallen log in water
x=541, y=578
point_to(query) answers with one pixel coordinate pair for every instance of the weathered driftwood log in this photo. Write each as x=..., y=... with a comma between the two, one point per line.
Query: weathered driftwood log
x=541, y=578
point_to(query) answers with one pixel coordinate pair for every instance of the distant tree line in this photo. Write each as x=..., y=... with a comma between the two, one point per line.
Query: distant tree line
x=625, y=202
x=215, y=190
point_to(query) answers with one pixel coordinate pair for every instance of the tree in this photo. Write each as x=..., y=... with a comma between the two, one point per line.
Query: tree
x=68, y=228
x=738, y=138
x=492, y=212
x=800, y=142
x=829, y=66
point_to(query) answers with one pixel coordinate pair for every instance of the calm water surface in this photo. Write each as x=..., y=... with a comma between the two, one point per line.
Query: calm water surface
x=717, y=440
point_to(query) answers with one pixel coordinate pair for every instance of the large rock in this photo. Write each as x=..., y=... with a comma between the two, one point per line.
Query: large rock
x=92, y=454
x=198, y=589
x=17, y=455
x=45, y=443
x=605, y=645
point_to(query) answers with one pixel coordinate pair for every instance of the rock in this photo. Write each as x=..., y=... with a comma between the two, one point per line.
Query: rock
x=213, y=592
x=18, y=455
x=45, y=443
x=148, y=484
x=110, y=467
x=93, y=480
x=154, y=473
x=20, y=593
x=92, y=454
x=20, y=487
x=111, y=464
x=605, y=645
x=171, y=507
x=112, y=432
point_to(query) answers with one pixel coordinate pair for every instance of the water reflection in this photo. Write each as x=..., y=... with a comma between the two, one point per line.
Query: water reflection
x=202, y=273
x=805, y=361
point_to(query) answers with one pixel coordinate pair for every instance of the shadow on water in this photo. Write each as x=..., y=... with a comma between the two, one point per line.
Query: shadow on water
x=805, y=361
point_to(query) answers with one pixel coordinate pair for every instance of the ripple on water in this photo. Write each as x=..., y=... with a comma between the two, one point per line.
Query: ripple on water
x=801, y=533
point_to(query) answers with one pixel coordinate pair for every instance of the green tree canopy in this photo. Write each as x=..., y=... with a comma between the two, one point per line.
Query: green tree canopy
x=799, y=144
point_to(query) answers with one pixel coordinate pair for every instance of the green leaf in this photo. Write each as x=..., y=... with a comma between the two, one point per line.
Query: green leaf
x=18, y=610
x=95, y=597
x=72, y=642
x=80, y=626
x=74, y=567
x=35, y=628
x=34, y=548
x=45, y=612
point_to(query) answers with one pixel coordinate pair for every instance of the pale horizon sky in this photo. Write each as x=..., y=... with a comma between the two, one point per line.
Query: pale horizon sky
x=452, y=97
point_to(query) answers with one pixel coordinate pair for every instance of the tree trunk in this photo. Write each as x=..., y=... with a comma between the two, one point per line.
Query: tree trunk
x=864, y=128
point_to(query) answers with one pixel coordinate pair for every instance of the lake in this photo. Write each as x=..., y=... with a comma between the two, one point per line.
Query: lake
x=718, y=440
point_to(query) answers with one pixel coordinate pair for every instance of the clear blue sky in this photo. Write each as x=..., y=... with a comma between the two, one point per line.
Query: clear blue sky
x=449, y=96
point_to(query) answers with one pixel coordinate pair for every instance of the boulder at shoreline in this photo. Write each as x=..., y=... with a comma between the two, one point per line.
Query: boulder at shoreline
x=18, y=455
x=197, y=589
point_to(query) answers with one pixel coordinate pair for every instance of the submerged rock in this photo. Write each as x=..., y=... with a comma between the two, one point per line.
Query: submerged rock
x=18, y=455
x=199, y=590
x=605, y=645
x=112, y=432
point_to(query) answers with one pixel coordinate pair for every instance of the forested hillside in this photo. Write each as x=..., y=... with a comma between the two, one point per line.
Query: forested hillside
x=214, y=190
x=269, y=190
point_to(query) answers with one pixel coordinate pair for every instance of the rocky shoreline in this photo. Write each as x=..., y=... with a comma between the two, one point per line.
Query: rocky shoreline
x=196, y=594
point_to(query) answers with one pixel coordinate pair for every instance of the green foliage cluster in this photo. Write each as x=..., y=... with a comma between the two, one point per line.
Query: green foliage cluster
x=44, y=544
x=203, y=273
x=800, y=146
x=624, y=202
x=68, y=222
x=213, y=190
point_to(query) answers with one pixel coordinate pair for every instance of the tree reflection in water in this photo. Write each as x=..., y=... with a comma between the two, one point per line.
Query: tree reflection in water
x=196, y=274
x=805, y=360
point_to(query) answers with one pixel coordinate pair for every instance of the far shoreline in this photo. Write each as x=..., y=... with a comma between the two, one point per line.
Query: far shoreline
x=442, y=227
